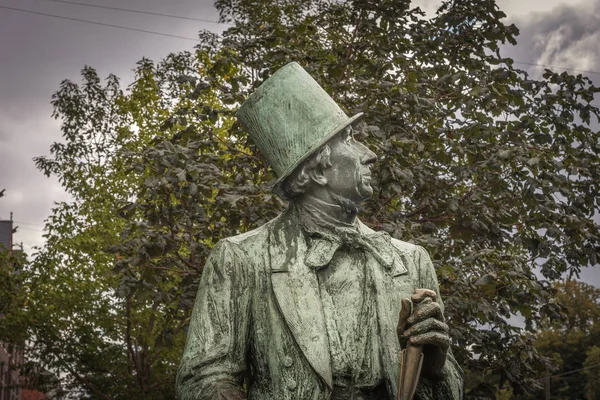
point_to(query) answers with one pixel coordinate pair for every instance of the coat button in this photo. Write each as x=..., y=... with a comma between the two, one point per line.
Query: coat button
x=287, y=361
x=291, y=385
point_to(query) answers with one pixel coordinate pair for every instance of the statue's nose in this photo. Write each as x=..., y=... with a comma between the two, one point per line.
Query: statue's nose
x=368, y=157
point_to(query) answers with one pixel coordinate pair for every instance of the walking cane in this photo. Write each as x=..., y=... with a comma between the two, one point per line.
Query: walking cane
x=411, y=359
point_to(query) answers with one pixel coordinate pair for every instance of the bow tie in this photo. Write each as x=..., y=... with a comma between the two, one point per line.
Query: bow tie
x=324, y=245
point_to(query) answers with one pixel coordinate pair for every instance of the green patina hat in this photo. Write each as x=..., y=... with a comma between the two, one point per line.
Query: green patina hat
x=289, y=116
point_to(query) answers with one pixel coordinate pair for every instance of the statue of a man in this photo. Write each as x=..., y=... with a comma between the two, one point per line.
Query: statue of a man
x=307, y=305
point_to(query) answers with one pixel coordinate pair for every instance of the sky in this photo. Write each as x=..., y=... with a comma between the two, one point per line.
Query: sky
x=38, y=51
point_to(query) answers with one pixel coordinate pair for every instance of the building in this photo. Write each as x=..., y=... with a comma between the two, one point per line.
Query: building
x=6, y=233
x=11, y=357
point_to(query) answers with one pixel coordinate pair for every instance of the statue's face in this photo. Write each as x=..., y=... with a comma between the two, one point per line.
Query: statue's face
x=350, y=173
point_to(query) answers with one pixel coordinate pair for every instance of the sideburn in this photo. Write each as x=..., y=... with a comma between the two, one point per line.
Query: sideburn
x=348, y=207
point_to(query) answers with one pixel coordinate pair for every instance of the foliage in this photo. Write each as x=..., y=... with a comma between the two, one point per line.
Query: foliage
x=109, y=324
x=95, y=338
x=570, y=342
x=494, y=172
x=592, y=373
x=76, y=324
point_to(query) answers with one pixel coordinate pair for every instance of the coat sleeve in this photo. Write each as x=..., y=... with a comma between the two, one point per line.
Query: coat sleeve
x=451, y=386
x=214, y=359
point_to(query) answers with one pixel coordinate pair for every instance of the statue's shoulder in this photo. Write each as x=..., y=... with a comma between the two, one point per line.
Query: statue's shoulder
x=404, y=247
x=254, y=238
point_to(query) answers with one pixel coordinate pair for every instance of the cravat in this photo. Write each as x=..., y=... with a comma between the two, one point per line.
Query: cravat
x=323, y=246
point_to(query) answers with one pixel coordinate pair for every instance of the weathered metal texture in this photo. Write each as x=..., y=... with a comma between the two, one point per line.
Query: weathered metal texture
x=259, y=313
x=307, y=306
x=289, y=117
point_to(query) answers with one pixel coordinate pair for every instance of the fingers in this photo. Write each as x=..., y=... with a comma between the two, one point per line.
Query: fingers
x=428, y=325
x=428, y=332
x=421, y=294
x=422, y=316
x=426, y=309
x=425, y=325
x=405, y=311
x=434, y=338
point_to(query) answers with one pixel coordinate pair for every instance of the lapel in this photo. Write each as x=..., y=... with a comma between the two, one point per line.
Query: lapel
x=297, y=292
x=390, y=287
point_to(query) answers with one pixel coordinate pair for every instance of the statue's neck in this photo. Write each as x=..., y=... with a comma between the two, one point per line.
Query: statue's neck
x=315, y=211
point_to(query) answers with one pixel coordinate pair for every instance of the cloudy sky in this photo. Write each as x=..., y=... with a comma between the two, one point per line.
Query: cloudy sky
x=39, y=50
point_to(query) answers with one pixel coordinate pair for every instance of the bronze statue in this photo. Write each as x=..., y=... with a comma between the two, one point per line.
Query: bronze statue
x=308, y=306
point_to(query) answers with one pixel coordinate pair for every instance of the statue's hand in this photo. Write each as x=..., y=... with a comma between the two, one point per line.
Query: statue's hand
x=425, y=327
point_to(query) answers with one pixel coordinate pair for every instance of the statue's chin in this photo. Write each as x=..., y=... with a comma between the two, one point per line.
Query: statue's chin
x=352, y=205
x=349, y=206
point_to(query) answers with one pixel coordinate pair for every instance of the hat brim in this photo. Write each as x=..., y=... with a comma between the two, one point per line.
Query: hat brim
x=350, y=121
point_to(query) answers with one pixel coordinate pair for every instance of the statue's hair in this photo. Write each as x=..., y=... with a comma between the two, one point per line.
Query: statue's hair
x=296, y=184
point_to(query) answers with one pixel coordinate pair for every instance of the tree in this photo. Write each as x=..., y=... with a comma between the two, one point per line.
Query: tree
x=570, y=342
x=118, y=332
x=98, y=339
x=76, y=324
x=492, y=171
x=592, y=372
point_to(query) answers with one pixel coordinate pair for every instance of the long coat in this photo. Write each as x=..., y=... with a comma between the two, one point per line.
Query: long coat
x=258, y=320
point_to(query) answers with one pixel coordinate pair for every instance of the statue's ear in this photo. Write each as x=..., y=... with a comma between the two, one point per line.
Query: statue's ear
x=317, y=175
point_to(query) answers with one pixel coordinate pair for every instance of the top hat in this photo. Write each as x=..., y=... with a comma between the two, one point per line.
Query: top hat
x=289, y=116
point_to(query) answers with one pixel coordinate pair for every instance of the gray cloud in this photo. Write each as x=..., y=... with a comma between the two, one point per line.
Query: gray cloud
x=567, y=36
x=519, y=8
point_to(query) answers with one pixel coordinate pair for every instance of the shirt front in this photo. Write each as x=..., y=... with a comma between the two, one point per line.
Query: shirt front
x=348, y=297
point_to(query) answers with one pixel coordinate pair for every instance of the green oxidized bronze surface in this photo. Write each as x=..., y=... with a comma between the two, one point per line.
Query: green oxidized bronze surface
x=308, y=306
x=289, y=116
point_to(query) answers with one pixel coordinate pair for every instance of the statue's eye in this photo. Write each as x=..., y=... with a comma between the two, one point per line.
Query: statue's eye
x=349, y=136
